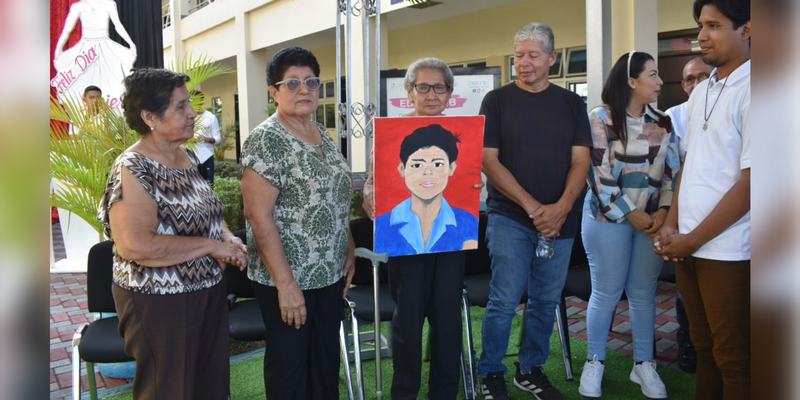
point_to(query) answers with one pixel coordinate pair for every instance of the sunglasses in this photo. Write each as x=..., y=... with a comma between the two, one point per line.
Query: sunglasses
x=293, y=85
x=427, y=88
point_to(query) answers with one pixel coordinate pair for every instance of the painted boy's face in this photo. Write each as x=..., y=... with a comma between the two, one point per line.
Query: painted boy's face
x=427, y=172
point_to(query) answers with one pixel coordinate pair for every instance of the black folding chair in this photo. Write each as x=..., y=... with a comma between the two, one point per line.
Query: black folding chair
x=98, y=341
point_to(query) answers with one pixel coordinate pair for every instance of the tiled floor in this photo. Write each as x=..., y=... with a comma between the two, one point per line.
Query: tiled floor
x=68, y=311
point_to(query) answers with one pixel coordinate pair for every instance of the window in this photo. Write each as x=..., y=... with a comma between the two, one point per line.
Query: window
x=326, y=110
x=217, y=104
x=468, y=64
x=576, y=62
x=327, y=90
x=555, y=70
x=581, y=88
x=326, y=115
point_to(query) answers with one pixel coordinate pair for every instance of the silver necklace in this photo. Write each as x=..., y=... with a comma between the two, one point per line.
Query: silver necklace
x=316, y=146
x=706, y=113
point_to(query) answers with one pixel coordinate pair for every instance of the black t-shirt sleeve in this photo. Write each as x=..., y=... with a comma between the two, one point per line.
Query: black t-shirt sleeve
x=583, y=132
x=491, y=132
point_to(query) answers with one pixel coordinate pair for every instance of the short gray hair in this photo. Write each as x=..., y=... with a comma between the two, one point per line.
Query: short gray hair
x=431, y=63
x=537, y=32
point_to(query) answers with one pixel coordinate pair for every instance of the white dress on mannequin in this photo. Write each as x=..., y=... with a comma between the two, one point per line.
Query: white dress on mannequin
x=95, y=59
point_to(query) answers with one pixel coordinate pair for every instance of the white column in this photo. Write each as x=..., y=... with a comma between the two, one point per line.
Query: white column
x=599, y=57
x=645, y=27
x=635, y=26
x=177, y=37
x=251, y=79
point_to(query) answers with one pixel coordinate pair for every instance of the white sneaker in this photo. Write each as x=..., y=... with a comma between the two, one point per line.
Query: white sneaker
x=592, y=378
x=646, y=376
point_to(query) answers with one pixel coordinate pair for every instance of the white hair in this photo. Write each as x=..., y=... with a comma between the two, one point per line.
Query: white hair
x=537, y=32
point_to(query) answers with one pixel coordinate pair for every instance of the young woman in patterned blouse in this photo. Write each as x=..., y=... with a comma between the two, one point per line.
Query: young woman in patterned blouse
x=170, y=248
x=634, y=157
x=297, y=187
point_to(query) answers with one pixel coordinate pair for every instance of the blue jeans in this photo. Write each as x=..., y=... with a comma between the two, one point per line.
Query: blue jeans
x=512, y=248
x=620, y=257
x=209, y=164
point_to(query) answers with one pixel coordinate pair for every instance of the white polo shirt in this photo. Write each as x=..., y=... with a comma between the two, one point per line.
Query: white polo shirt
x=715, y=160
x=679, y=115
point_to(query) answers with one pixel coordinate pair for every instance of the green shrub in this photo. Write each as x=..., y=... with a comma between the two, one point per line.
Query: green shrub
x=229, y=191
x=356, y=210
x=228, y=134
x=226, y=169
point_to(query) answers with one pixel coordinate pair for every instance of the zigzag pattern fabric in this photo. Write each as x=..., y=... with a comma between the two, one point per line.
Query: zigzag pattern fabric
x=187, y=206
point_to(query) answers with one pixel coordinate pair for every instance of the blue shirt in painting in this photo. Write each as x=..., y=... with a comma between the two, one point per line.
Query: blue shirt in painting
x=399, y=232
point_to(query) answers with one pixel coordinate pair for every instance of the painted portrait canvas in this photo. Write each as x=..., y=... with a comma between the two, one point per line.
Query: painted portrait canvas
x=426, y=169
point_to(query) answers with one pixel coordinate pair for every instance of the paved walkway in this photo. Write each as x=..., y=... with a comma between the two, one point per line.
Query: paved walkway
x=68, y=311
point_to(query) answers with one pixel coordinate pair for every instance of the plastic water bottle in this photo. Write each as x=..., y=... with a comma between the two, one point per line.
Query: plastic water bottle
x=544, y=248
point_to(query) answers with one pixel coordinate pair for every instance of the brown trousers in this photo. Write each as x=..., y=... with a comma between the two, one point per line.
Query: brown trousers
x=717, y=299
x=179, y=341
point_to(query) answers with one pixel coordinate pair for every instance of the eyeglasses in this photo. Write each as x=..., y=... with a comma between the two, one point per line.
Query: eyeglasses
x=293, y=85
x=693, y=80
x=427, y=88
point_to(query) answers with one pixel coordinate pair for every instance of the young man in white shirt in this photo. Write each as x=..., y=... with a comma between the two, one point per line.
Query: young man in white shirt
x=208, y=138
x=707, y=231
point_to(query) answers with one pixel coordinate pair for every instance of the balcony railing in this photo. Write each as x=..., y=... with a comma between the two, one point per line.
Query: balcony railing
x=166, y=16
x=200, y=4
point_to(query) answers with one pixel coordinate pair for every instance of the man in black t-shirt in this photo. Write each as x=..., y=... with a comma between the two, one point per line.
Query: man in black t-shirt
x=536, y=158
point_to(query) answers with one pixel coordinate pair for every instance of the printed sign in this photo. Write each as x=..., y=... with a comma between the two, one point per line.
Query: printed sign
x=468, y=92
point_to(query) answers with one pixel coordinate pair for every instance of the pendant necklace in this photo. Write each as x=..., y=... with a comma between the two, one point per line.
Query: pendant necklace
x=706, y=113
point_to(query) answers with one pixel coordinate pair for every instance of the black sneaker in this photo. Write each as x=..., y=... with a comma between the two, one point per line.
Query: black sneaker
x=687, y=358
x=537, y=384
x=493, y=387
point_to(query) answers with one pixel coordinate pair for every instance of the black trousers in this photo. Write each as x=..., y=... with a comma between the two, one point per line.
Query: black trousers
x=179, y=341
x=427, y=285
x=302, y=364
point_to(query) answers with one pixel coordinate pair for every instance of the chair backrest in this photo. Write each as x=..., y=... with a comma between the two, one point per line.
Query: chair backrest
x=478, y=261
x=99, y=273
x=362, y=230
x=236, y=281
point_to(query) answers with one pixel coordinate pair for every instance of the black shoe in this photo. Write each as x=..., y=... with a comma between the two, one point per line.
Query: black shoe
x=537, y=384
x=687, y=358
x=493, y=387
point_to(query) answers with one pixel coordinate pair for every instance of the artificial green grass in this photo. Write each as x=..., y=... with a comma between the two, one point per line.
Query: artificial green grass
x=247, y=378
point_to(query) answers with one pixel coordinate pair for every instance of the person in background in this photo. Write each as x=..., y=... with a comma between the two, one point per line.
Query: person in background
x=92, y=105
x=694, y=72
x=297, y=188
x=634, y=157
x=707, y=232
x=171, y=247
x=92, y=98
x=209, y=137
x=536, y=158
x=425, y=285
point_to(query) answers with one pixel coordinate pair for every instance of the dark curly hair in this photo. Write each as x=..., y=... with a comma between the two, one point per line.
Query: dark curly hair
x=149, y=89
x=291, y=57
x=738, y=11
x=430, y=136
